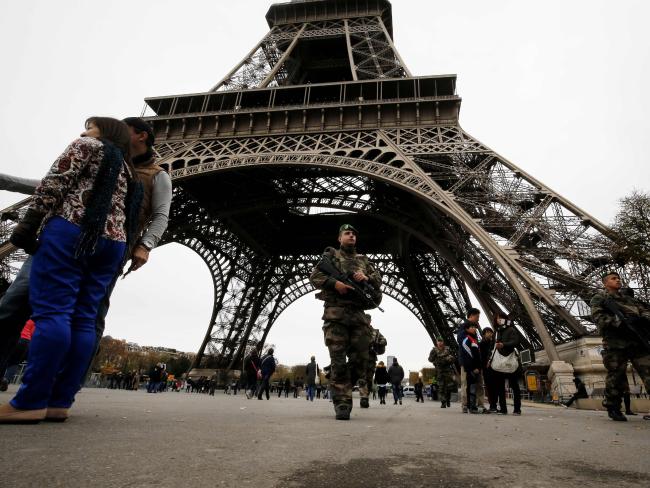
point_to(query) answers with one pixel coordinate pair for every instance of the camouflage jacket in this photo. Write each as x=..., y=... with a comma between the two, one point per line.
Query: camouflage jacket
x=609, y=326
x=378, y=342
x=443, y=360
x=346, y=262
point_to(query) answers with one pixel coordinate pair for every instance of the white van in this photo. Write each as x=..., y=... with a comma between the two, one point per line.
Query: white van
x=409, y=390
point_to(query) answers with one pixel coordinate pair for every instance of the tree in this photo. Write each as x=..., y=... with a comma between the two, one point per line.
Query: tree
x=632, y=227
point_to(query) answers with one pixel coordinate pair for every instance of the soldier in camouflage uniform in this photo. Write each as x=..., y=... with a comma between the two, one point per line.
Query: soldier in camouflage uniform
x=346, y=326
x=377, y=347
x=443, y=360
x=620, y=344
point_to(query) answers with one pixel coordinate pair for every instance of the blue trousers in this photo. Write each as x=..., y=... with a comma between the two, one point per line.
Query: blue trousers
x=397, y=391
x=64, y=293
x=311, y=389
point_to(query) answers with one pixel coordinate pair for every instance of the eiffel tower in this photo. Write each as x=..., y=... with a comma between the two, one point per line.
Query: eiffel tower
x=322, y=123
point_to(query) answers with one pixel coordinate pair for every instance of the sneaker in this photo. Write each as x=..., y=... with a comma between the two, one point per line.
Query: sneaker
x=517, y=413
x=616, y=415
x=493, y=410
x=448, y=404
x=365, y=403
x=485, y=411
x=646, y=417
x=444, y=405
x=464, y=409
x=564, y=405
x=474, y=410
x=400, y=402
x=629, y=413
x=342, y=412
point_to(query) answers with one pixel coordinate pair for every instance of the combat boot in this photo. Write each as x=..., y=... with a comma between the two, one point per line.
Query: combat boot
x=342, y=412
x=365, y=403
x=443, y=405
x=615, y=414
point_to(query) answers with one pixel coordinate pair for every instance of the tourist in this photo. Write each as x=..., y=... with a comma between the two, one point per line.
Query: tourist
x=89, y=203
x=581, y=392
x=395, y=376
x=312, y=371
x=251, y=372
x=381, y=379
x=473, y=316
x=470, y=358
x=267, y=368
x=487, y=349
x=419, y=386
x=507, y=340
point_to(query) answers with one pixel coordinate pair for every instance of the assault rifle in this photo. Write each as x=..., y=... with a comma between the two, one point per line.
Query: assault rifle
x=363, y=290
x=638, y=326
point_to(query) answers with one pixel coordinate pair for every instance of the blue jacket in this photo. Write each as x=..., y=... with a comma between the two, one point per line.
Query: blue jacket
x=469, y=353
x=268, y=365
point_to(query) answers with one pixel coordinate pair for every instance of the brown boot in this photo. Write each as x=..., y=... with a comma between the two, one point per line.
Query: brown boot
x=11, y=415
x=56, y=414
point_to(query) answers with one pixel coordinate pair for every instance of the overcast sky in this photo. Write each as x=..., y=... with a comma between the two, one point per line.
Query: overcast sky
x=559, y=88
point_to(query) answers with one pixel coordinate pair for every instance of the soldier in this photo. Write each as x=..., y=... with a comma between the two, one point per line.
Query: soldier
x=443, y=360
x=611, y=310
x=377, y=347
x=345, y=324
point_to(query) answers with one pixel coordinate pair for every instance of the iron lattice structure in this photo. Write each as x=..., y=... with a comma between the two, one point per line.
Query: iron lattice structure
x=322, y=123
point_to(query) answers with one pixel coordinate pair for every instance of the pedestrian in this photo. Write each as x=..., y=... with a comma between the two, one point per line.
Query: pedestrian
x=287, y=387
x=486, y=346
x=251, y=372
x=378, y=345
x=581, y=392
x=443, y=361
x=506, y=342
x=88, y=206
x=381, y=379
x=470, y=358
x=473, y=316
x=622, y=321
x=419, y=387
x=267, y=368
x=346, y=324
x=395, y=376
x=311, y=372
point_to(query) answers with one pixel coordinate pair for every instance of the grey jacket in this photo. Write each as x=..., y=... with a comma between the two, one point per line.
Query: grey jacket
x=396, y=373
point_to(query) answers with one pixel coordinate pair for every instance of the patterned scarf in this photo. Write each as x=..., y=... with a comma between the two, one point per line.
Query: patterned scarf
x=101, y=199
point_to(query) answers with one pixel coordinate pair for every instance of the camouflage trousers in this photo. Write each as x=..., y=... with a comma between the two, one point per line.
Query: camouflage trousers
x=446, y=385
x=348, y=341
x=615, y=361
x=370, y=369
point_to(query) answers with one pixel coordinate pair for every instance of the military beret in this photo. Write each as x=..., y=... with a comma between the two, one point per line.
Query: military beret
x=345, y=227
x=609, y=273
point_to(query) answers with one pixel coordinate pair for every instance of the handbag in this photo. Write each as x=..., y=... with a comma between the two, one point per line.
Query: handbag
x=504, y=364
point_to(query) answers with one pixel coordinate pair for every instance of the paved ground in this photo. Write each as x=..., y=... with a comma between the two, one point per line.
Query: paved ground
x=132, y=439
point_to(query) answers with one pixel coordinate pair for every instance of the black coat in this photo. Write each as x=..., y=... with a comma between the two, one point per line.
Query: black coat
x=381, y=376
x=509, y=336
